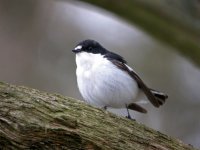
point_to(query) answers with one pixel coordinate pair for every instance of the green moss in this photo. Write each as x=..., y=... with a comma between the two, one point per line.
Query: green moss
x=8, y=94
x=1, y=83
x=39, y=120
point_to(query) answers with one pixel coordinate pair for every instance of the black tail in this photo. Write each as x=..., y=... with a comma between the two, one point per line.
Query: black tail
x=137, y=107
x=160, y=97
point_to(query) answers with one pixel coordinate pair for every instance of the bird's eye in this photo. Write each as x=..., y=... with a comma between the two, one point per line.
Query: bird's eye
x=90, y=48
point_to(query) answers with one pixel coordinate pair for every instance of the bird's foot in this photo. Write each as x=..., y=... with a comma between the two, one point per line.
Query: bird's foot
x=105, y=107
x=129, y=117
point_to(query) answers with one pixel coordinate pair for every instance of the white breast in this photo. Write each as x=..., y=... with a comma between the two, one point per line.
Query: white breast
x=101, y=83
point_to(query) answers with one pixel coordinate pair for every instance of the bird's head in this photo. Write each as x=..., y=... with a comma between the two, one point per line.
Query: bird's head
x=89, y=46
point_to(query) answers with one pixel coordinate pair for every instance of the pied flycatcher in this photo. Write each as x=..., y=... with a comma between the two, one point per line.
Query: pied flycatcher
x=105, y=80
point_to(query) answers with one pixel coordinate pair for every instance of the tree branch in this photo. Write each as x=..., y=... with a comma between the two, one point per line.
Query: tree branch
x=156, y=22
x=31, y=119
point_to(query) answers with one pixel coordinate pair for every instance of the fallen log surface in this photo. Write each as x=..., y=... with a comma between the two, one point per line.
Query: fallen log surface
x=31, y=119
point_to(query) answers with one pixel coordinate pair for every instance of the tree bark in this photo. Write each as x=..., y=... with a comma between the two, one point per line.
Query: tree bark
x=31, y=119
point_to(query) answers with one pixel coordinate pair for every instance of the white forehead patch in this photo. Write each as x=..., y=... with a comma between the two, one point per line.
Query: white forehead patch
x=78, y=47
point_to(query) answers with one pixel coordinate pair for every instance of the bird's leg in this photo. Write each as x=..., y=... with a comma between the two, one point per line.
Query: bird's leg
x=129, y=116
x=105, y=107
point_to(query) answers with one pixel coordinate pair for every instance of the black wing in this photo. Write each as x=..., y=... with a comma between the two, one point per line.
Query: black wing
x=139, y=81
x=114, y=57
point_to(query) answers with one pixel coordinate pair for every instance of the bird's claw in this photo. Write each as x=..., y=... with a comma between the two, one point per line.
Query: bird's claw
x=129, y=117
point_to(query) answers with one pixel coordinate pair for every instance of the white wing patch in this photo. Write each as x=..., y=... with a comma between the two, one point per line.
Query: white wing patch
x=78, y=47
x=130, y=68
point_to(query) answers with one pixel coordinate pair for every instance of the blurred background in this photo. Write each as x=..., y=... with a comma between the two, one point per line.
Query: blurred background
x=37, y=36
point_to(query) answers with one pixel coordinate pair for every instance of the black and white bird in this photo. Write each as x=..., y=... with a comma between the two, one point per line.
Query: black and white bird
x=105, y=80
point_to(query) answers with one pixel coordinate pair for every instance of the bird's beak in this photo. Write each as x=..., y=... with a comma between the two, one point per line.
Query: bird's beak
x=75, y=51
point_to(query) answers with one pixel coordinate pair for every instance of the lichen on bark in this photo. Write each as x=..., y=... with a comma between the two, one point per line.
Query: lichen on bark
x=32, y=119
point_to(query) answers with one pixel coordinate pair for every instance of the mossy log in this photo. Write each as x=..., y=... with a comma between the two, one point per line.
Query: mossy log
x=31, y=119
